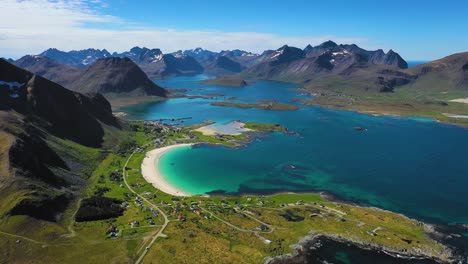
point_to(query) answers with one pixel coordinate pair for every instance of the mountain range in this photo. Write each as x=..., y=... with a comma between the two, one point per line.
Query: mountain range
x=156, y=64
x=327, y=64
x=80, y=58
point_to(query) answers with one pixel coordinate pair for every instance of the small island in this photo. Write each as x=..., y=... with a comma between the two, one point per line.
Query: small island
x=231, y=80
x=263, y=104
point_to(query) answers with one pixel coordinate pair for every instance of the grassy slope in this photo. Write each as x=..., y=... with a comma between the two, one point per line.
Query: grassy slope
x=5, y=142
x=198, y=239
x=44, y=241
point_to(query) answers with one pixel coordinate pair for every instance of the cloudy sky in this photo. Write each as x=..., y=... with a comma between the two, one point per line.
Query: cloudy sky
x=418, y=30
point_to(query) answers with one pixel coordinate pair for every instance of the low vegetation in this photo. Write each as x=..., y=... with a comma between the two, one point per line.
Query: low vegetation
x=264, y=127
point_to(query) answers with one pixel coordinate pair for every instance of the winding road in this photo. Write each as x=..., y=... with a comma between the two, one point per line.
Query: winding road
x=166, y=220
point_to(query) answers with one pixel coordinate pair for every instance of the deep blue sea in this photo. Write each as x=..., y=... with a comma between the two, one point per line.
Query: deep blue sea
x=414, y=166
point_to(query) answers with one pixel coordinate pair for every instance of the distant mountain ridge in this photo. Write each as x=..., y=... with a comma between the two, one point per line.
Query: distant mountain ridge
x=303, y=64
x=158, y=65
x=62, y=74
x=293, y=64
x=81, y=58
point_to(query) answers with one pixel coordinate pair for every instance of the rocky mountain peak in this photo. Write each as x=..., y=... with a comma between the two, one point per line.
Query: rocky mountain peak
x=328, y=44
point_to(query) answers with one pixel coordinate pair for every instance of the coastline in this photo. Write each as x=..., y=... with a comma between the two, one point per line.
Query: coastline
x=152, y=175
x=306, y=244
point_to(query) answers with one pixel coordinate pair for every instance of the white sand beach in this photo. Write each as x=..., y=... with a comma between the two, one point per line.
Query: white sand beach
x=232, y=128
x=460, y=100
x=455, y=115
x=149, y=170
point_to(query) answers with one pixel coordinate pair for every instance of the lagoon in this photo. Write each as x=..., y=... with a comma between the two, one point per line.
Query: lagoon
x=414, y=166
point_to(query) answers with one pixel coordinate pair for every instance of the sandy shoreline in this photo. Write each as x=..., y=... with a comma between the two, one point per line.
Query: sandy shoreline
x=460, y=100
x=152, y=175
x=232, y=128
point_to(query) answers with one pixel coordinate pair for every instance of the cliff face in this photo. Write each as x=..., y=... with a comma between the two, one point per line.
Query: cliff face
x=36, y=117
x=62, y=112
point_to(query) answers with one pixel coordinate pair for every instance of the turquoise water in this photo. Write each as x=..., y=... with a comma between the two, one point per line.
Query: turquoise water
x=410, y=165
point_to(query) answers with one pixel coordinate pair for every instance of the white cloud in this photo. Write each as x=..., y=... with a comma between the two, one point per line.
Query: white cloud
x=31, y=26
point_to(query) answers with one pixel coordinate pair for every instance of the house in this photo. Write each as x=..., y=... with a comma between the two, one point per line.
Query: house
x=112, y=228
x=197, y=211
x=134, y=224
x=181, y=218
x=254, y=212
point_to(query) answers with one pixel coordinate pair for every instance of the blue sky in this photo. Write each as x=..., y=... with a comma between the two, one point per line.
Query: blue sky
x=418, y=30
